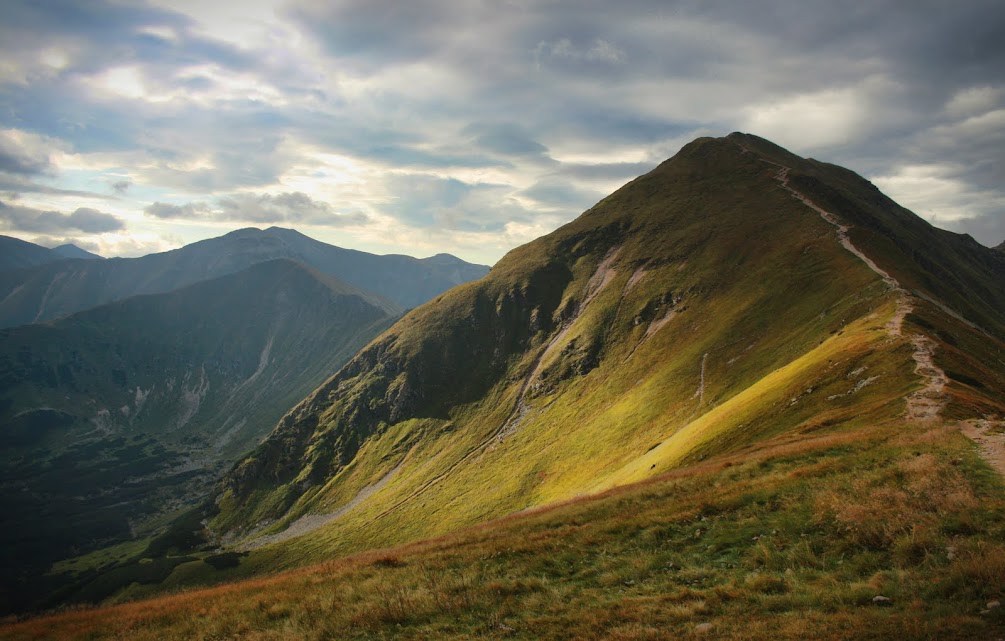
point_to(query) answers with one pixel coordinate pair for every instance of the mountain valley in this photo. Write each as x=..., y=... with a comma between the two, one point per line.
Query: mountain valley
x=119, y=417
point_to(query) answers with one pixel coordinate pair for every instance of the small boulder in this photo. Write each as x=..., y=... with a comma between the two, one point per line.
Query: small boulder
x=702, y=628
x=991, y=605
x=879, y=599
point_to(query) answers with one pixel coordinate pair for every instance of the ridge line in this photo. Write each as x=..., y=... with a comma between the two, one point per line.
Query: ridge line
x=927, y=403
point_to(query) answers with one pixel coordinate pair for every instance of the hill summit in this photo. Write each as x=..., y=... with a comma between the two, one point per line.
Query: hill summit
x=735, y=293
x=728, y=399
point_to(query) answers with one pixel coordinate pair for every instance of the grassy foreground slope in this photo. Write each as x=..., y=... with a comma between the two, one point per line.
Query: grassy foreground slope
x=792, y=539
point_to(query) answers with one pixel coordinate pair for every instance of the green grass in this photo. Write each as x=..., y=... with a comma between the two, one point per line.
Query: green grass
x=765, y=544
x=790, y=328
x=787, y=332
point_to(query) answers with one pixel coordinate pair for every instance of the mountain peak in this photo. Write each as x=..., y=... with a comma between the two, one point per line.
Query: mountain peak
x=444, y=259
x=730, y=262
x=70, y=250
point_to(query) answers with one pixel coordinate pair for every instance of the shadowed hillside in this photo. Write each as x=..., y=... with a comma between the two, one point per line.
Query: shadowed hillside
x=117, y=416
x=55, y=290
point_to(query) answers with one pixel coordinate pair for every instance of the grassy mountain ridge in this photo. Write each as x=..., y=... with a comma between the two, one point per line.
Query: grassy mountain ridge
x=55, y=290
x=713, y=404
x=701, y=305
x=953, y=269
x=116, y=415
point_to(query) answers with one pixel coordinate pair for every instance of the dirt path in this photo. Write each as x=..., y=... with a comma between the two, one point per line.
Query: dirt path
x=701, y=380
x=927, y=403
x=990, y=437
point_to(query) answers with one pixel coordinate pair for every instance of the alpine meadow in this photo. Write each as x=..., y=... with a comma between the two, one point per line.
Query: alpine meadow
x=745, y=395
x=374, y=320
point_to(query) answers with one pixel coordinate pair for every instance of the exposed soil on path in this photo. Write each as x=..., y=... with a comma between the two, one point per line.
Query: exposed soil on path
x=990, y=438
x=927, y=403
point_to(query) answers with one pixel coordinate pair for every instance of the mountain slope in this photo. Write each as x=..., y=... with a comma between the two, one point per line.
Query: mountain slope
x=114, y=416
x=734, y=293
x=51, y=291
x=72, y=251
x=19, y=254
x=790, y=540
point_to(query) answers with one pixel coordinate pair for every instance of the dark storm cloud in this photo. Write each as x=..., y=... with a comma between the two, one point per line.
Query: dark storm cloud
x=84, y=219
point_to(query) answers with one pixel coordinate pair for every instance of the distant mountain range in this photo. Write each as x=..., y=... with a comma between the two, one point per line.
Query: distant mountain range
x=125, y=412
x=57, y=289
x=19, y=254
x=114, y=417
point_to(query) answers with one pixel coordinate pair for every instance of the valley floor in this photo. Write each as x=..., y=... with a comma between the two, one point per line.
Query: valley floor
x=761, y=544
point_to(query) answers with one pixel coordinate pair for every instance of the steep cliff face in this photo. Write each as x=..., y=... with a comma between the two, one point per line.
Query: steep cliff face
x=735, y=292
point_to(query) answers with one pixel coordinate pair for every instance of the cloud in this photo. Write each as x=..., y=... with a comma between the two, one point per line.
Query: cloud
x=121, y=186
x=168, y=211
x=507, y=139
x=562, y=194
x=477, y=122
x=84, y=219
x=289, y=208
x=973, y=101
x=24, y=153
x=429, y=201
x=940, y=194
x=21, y=185
x=599, y=50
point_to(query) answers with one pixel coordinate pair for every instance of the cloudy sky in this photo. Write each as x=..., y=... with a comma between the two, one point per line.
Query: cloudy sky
x=465, y=126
